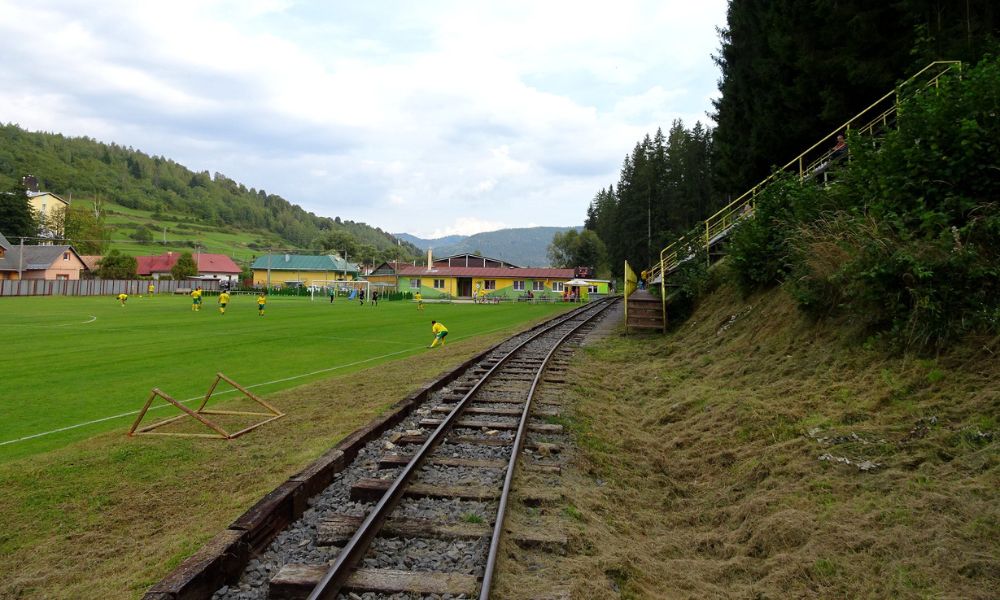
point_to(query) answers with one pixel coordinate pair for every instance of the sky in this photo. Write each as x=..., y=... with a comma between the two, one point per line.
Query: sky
x=430, y=118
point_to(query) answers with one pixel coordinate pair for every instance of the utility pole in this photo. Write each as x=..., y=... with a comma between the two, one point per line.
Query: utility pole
x=20, y=262
x=269, y=268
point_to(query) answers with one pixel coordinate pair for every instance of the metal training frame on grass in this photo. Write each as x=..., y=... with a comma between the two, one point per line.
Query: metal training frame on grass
x=198, y=414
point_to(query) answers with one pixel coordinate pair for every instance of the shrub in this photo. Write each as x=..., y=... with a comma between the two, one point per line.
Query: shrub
x=759, y=248
x=912, y=250
x=689, y=282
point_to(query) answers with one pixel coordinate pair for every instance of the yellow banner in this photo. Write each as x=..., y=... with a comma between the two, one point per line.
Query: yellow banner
x=631, y=281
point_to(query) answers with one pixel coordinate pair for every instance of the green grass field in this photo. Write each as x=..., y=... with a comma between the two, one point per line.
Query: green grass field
x=75, y=361
x=233, y=242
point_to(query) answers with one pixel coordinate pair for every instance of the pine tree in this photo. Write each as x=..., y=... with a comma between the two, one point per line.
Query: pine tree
x=16, y=215
x=793, y=71
x=184, y=267
x=116, y=265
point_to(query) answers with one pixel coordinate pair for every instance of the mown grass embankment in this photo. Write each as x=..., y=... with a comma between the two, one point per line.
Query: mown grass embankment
x=710, y=464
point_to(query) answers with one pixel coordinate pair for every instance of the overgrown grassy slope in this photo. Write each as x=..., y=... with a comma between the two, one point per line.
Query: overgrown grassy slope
x=711, y=463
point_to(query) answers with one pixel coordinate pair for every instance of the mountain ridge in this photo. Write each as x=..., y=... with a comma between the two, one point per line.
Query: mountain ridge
x=522, y=246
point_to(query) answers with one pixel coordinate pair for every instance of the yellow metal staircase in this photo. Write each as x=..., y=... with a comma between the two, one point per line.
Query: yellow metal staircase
x=814, y=162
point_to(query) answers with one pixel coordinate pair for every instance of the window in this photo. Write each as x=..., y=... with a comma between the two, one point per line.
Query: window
x=489, y=284
x=415, y=283
x=439, y=284
x=592, y=289
x=519, y=286
x=538, y=286
x=557, y=286
x=62, y=277
x=65, y=255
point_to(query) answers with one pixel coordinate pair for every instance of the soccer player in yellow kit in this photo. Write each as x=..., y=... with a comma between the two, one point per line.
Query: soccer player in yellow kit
x=196, y=299
x=261, y=301
x=122, y=298
x=223, y=301
x=439, y=331
x=152, y=289
x=420, y=301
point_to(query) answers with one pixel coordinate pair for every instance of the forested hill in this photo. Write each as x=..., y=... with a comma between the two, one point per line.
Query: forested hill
x=83, y=168
x=424, y=244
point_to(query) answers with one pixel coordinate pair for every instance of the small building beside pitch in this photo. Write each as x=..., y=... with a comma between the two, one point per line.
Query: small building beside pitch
x=277, y=270
x=39, y=262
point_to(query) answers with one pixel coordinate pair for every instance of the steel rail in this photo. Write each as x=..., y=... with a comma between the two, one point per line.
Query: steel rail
x=352, y=553
x=484, y=591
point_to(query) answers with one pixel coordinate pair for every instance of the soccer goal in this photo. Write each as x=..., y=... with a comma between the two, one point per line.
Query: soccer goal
x=324, y=287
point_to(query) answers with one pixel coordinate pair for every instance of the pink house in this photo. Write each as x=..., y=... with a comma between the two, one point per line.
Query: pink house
x=215, y=266
x=38, y=262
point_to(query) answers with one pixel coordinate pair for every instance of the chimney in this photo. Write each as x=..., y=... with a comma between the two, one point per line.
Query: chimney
x=430, y=261
x=288, y=257
x=30, y=183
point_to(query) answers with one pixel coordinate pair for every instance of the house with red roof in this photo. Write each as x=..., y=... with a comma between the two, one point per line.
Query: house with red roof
x=210, y=266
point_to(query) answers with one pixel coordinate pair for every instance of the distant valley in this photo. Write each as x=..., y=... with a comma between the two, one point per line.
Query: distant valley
x=524, y=247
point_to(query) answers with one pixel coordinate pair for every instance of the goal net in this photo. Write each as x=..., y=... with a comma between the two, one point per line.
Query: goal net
x=349, y=289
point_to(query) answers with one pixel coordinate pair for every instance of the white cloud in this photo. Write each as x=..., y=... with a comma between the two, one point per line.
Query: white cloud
x=466, y=226
x=512, y=111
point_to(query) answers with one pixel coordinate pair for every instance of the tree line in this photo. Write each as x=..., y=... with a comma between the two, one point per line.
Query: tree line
x=790, y=73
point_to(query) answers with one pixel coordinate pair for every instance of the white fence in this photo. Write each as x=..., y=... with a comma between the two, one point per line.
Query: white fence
x=98, y=287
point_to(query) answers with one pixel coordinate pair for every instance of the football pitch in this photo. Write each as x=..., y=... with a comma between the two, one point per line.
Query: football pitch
x=79, y=366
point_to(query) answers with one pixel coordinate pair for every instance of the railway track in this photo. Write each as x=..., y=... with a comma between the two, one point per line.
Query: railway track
x=419, y=512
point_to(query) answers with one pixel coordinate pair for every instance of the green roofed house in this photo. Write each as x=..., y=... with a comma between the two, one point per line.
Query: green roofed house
x=294, y=270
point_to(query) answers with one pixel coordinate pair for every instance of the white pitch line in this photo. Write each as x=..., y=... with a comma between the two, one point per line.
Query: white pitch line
x=92, y=319
x=255, y=385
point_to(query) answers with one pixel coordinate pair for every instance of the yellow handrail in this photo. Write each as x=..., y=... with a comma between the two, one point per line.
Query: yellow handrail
x=717, y=225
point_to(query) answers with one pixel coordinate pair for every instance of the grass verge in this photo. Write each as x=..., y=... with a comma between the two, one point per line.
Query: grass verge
x=752, y=454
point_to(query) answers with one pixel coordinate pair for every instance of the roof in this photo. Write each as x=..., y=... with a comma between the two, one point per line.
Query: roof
x=31, y=194
x=91, y=260
x=387, y=268
x=498, y=273
x=469, y=257
x=300, y=262
x=216, y=263
x=35, y=258
x=207, y=263
x=4, y=243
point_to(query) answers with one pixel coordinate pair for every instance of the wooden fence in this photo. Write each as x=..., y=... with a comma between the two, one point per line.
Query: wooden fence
x=97, y=287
